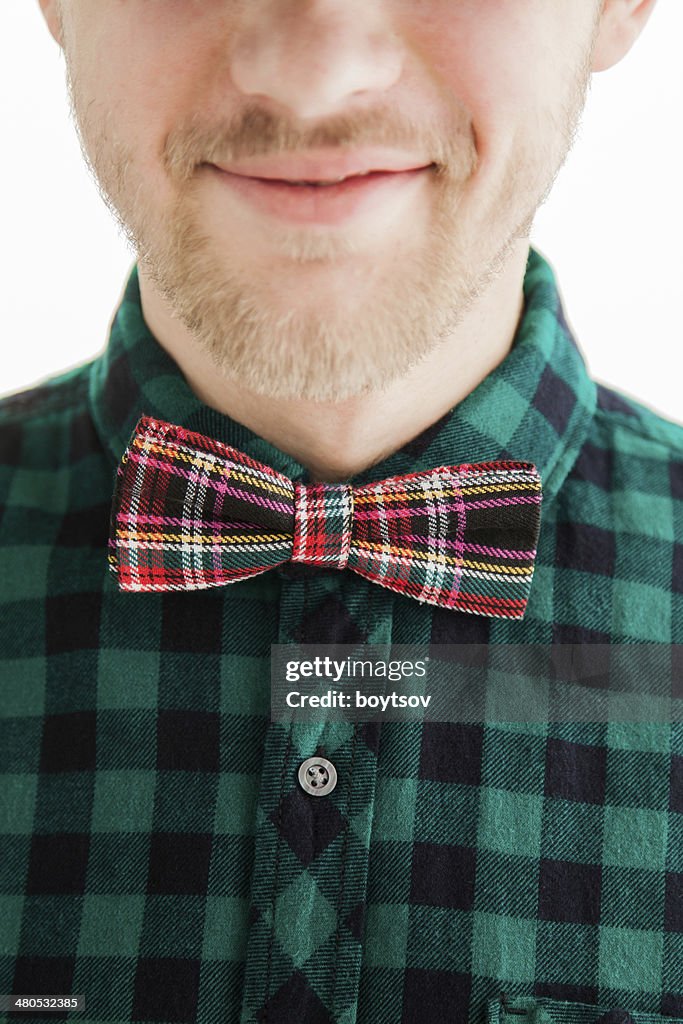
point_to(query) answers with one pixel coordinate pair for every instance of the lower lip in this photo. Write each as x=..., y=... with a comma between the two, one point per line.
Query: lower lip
x=322, y=204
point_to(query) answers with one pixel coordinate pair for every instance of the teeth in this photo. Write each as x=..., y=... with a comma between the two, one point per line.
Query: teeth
x=332, y=181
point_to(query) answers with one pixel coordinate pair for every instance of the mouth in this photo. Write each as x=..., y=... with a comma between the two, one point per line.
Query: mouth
x=322, y=184
x=325, y=198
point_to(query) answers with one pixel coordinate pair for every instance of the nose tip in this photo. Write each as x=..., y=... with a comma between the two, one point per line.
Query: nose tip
x=314, y=69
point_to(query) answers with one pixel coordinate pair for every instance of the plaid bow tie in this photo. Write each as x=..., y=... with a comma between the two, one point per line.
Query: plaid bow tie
x=190, y=512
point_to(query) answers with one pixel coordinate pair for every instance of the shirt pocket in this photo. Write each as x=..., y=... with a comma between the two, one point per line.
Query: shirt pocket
x=527, y=1010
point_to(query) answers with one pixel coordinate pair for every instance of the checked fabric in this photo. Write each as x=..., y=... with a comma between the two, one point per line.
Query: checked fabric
x=190, y=512
x=157, y=853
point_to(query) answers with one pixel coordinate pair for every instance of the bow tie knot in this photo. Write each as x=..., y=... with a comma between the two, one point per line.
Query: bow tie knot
x=190, y=512
x=323, y=521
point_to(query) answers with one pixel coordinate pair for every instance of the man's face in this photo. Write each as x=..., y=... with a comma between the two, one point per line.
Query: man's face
x=198, y=115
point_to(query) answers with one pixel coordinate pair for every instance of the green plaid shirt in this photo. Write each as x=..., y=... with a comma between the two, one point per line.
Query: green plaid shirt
x=157, y=852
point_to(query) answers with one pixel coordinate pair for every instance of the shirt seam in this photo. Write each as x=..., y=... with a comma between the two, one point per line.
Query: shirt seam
x=639, y=428
x=13, y=408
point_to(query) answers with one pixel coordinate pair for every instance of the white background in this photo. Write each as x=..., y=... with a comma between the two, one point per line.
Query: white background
x=612, y=228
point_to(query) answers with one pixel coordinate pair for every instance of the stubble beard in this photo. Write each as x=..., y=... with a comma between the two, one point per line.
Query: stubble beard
x=329, y=347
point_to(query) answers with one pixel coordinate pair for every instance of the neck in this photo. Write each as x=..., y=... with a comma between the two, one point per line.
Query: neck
x=338, y=440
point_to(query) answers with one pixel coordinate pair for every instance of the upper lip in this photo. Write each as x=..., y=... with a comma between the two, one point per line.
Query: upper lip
x=324, y=166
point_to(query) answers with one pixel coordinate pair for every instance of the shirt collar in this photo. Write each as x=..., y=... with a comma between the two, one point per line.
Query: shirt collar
x=535, y=406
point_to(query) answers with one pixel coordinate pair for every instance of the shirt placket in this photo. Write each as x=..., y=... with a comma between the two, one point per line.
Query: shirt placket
x=308, y=888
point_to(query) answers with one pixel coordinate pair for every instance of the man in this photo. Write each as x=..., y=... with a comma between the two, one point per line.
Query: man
x=330, y=201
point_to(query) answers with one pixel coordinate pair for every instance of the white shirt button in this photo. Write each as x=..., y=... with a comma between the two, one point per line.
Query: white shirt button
x=317, y=776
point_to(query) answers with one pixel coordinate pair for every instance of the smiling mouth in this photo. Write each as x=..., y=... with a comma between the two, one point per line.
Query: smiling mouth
x=325, y=201
x=324, y=183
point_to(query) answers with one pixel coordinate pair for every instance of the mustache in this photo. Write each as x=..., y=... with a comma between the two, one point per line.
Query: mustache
x=254, y=131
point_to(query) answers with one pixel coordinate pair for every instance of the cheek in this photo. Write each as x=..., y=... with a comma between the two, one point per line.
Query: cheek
x=145, y=66
x=498, y=58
